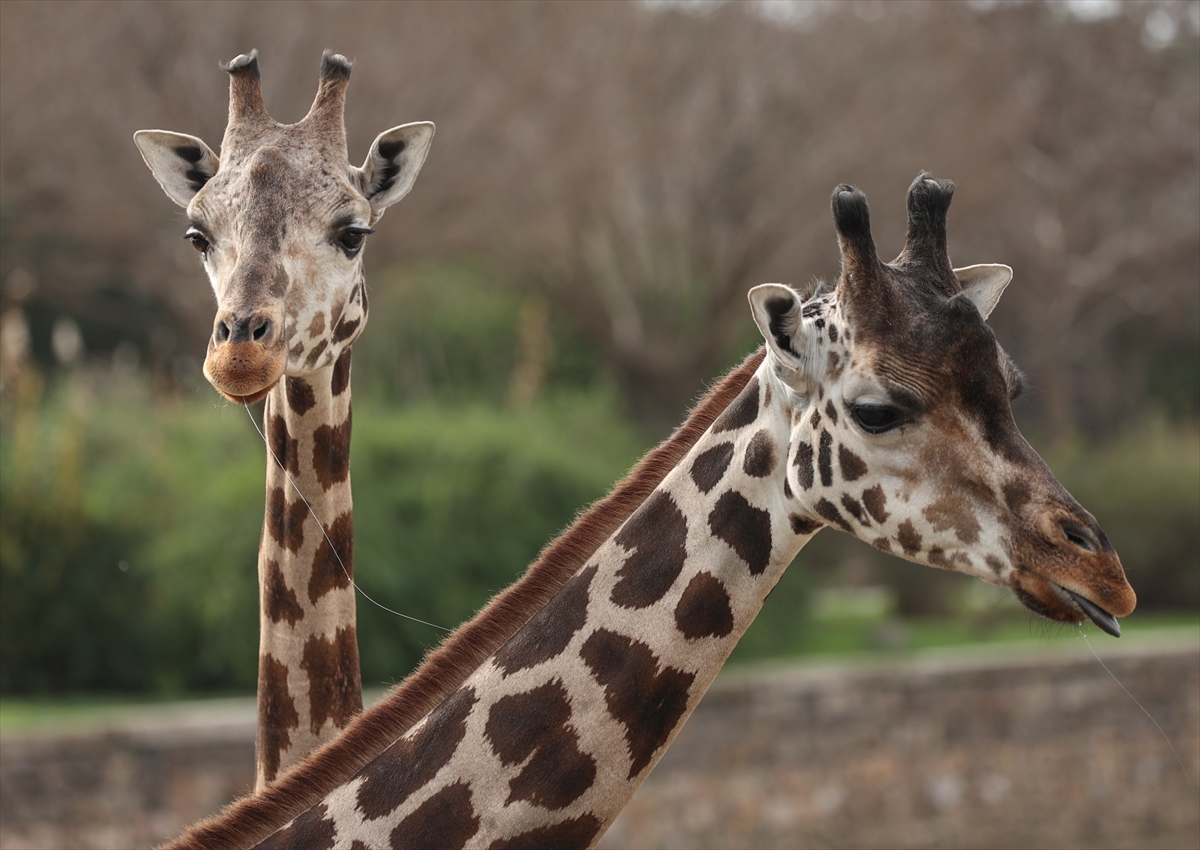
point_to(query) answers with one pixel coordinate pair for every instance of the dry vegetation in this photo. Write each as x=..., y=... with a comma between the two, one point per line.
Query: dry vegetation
x=643, y=167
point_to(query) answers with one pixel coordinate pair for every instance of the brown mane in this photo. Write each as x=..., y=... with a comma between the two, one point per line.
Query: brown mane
x=251, y=819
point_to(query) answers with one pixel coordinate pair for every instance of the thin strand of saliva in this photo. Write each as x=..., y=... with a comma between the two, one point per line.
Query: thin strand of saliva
x=321, y=526
x=1139, y=705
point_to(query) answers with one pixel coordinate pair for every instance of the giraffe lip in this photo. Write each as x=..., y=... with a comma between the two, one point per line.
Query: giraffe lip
x=1106, y=621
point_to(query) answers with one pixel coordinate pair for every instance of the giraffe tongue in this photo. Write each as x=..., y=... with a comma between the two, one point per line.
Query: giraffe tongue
x=1106, y=621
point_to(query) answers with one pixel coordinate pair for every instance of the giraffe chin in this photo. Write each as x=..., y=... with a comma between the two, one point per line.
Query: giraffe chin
x=250, y=399
x=1055, y=602
x=243, y=372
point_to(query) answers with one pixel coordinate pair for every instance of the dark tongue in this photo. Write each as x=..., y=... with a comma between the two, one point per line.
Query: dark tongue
x=1106, y=621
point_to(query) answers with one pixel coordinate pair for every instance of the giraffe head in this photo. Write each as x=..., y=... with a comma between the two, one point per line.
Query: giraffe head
x=280, y=219
x=901, y=427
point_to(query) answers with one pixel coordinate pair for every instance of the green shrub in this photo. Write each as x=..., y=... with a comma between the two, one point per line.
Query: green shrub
x=452, y=503
x=130, y=527
x=1144, y=489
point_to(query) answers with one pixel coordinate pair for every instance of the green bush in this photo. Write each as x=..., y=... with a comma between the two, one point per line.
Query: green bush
x=452, y=503
x=130, y=527
x=1144, y=490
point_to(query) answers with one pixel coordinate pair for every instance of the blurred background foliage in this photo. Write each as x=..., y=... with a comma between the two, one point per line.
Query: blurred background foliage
x=606, y=183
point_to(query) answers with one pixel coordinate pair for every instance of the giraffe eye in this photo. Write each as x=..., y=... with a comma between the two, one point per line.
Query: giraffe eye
x=351, y=240
x=877, y=418
x=198, y=240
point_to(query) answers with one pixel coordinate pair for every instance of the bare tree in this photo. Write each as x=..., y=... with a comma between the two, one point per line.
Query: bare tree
x=642, y=168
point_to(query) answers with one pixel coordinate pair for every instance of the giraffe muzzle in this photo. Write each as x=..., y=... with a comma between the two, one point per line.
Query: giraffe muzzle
x=246, y=355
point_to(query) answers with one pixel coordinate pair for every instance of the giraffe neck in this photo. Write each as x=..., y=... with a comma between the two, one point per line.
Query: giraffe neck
x=309, y=685
x=545, y=741
x=255, y=817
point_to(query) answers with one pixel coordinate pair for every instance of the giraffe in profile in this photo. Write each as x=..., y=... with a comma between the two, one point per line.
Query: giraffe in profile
x=879, y=406
x=280, y=219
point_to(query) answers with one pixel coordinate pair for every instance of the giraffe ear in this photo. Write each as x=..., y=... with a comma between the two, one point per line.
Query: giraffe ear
x=181, y=164
x=392, y=165
x=984, y=284
x=776, y=310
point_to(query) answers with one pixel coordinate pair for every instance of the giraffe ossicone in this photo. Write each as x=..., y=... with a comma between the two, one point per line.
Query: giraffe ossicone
x=879, y=406
x=280, y=219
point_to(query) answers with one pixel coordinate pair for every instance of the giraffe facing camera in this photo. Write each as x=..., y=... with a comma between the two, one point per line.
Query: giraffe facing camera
x=280, y=220
x=880, y=406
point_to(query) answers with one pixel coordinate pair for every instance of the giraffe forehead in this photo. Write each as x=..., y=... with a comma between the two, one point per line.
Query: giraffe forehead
x=935, y=352
x=280, y=187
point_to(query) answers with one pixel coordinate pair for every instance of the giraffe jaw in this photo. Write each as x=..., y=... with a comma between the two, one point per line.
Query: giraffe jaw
x=1049, y=599
x=247, y=400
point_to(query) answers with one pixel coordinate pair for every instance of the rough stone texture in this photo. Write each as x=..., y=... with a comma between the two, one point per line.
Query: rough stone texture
x=1038, y=749
x=128, y=781
x=1042, y=750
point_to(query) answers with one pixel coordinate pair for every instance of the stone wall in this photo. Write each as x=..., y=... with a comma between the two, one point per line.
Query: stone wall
x=954, y=750
x=963, y=751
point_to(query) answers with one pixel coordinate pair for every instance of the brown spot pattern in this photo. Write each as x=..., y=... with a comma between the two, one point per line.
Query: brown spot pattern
x=882, y=544
x=412, y=762
x=329, y=573
x=446, y=821
x=853, y=508
x=277, y=712
x=825, y=459
x=647, y=700
x=536, y=723
x=300, y=395
x=828, y=511
x=283, y=446
x=285, y=523
x=331, y=453
x=853, y=467
x=814, y=421
x=551, y=628
x=760, y=455
x=1016, y=495
x=703, y=610
x=709, y=467
x=656, y=536
x=804, y=525
x=341, y=374
x=334, y=681
x=908, y=538
x=996, y=565
x=311, y=360
x=804, y=464
x=875, y=500
x=835, y=366
x=831, y=411
x=745, y=528
x=741, y=412
x=954, y=513
x=573, y=834
x=279, y=600
x=313, y=830
x=344, y=330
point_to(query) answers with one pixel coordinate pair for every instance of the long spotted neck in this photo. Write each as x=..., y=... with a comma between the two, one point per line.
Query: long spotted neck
x=309, y=686
x=546, y=741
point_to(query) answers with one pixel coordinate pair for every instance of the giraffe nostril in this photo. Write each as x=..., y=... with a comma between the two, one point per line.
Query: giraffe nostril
x=222, y=332
x=1079, y=536
x=262, y=330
